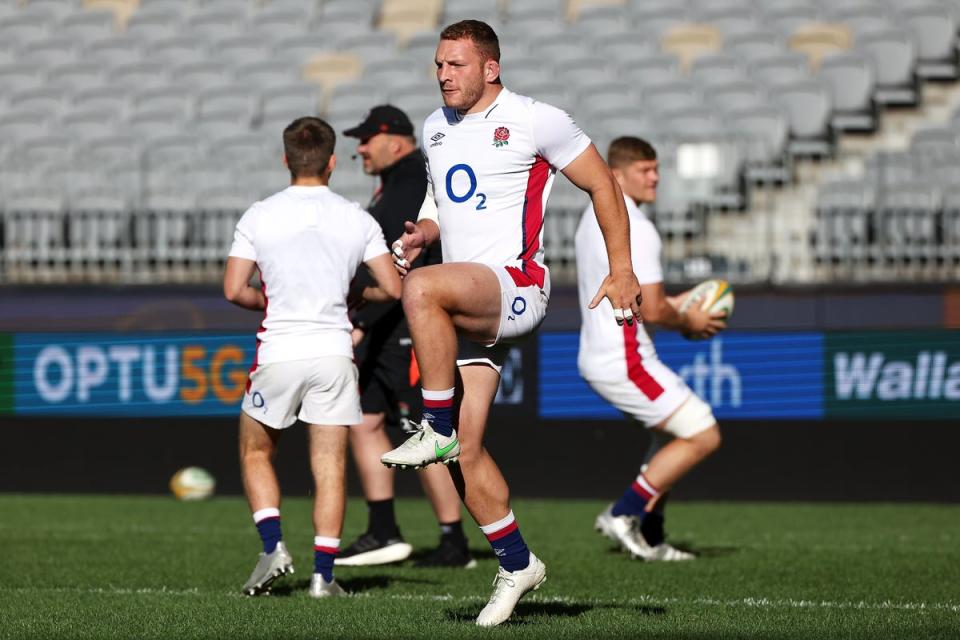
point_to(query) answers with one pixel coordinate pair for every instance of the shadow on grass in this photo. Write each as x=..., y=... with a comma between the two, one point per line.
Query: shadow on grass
x=468, y=614
x=358, y=584
x=484, y=554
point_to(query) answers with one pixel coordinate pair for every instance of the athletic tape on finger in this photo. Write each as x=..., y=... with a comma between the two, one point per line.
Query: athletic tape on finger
x=618, y=315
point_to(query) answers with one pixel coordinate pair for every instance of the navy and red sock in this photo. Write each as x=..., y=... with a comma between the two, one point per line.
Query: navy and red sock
x=268, y=526
x=634, y=500
x=325, y=551
x=508, y=545
x=438, y=410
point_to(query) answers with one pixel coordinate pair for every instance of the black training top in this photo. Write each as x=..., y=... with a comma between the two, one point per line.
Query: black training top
x=403, y=187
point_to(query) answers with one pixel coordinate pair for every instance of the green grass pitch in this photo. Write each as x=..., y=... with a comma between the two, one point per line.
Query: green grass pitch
x=138, y=567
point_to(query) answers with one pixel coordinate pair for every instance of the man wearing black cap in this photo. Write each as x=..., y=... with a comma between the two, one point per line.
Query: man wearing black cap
x=388, y=149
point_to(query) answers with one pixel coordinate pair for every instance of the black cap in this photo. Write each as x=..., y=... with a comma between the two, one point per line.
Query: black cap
x=384, y=118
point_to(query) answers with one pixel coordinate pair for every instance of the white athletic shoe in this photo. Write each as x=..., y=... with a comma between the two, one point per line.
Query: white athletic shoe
x=626, y=531
x=424, y=447
x=508, y=588
x=270, y=566
x=320, y=588
x=368, y=550
x=664, y=552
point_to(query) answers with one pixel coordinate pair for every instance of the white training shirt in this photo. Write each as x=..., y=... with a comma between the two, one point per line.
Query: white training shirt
x=491, y=173
x=607, y=350
x=308, y=243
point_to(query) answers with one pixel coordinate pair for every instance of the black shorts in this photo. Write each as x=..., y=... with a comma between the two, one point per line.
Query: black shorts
x=385, y=385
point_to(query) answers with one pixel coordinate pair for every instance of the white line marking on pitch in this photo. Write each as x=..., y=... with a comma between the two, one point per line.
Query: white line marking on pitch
x=643, y=600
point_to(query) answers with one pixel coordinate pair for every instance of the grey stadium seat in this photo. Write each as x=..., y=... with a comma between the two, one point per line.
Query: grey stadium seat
x=934, y=27
x=114, y=51
x=77, y=75
x=894, y=57
x=216, y=24
x=172, y=99
x=780, y=69
x=23, y=27
x=238, y=50
x=732, y=96
x=266, y=75
x=935, y=141
x=249, y=150
x=767, y=130
x=50, y=51
x=49, y=100
x=110, y=151
x=112, y=97
x=851, y=80
x=284, y=104
x=274, y=25
x=718, y=68
x=237, y=98
x=661, y=68
x=906, y=223
x=657, y=18
x=843, y=225
x=755, y=45
x=296, y=49
x=808, y=107
x=140, y=75
x=196, y=76
x=154, y=25
x=788, y=19
x=44, y=150
x=89, y=124
x=182, y=49
x=599, y=22
x=666, y=97
x=536, y=9
x=87, y=26
x=20, y=77
x=625, y=48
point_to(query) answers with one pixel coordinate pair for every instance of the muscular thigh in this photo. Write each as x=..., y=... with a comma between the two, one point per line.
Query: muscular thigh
x=469, y=292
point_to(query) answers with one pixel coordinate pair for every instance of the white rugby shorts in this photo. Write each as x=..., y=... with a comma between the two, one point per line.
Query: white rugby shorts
x=321, y=391
x=652, y=393
x=522, y=310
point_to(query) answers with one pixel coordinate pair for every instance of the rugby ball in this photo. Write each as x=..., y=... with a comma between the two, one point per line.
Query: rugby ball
x=715, y=296
x=192, y=483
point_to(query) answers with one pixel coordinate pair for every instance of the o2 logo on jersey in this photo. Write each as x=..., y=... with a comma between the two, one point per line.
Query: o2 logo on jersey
x=519, y=305
x=470, y=192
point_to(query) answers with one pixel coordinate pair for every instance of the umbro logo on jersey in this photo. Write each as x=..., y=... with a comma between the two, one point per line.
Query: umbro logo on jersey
x=437, y=140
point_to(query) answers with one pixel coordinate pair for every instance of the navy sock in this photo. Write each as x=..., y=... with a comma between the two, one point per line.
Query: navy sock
x=508, y=545
x=634, y=500
x=438, y=411
x=268, y=526
x=652, y=528
x=325, y=551
x=382, y=519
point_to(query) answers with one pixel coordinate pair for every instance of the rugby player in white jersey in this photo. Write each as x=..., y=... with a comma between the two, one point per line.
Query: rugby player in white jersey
x=621, y=364
x=307, y=243
x=492, y=156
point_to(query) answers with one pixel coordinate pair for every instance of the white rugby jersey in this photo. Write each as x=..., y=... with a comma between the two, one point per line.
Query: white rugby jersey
x=308, y=243
x=490, y=174
x=608, y=351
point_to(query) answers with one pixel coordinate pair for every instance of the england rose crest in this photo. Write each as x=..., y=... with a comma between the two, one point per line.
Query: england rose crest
x=501, y=137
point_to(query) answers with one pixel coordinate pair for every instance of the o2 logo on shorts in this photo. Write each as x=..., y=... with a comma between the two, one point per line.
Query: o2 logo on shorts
x=519, y=306
x=258, y=401
x=482, y=197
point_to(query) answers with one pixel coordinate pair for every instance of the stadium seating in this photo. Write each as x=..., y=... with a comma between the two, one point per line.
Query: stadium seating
x=753, y=86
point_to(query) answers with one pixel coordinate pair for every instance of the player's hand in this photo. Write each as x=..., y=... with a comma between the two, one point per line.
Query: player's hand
x=356, y=334
x=408, y=247
x=623, y=292
x=703, y=324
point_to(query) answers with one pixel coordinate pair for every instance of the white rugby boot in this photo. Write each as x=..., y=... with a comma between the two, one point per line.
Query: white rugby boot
x=664, y=552
x=508, y=588
x=624, y=530
x=320, y=588
x=269, y=567
x=424, y=447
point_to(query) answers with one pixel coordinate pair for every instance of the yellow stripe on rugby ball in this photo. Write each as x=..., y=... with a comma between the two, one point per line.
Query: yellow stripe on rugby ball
x=715, y=296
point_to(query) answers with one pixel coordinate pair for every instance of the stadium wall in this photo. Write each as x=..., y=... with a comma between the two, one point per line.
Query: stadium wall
x=811, y=409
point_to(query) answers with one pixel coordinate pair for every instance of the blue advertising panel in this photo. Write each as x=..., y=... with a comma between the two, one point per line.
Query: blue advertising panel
x=742, y=375
x=145, y=374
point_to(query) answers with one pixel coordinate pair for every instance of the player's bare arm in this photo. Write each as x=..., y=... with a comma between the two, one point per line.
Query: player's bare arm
x=388, y=280
x=658, y=308
x=591, y=173
x=236, y=284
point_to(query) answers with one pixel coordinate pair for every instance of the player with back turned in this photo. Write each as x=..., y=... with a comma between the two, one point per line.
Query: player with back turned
x=492, y=156
x=307, y=243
